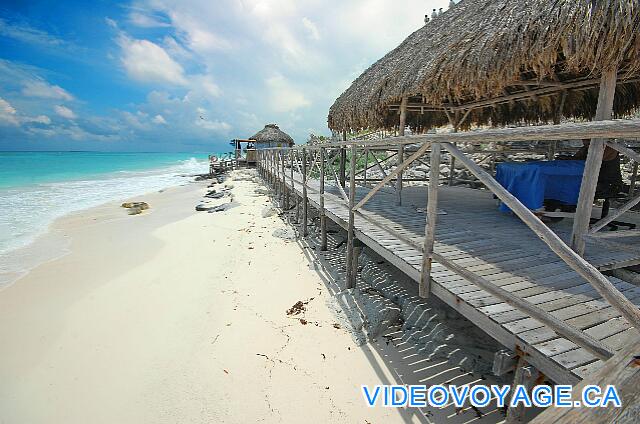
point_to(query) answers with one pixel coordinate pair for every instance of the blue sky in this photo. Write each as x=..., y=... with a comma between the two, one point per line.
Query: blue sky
x=184, y=75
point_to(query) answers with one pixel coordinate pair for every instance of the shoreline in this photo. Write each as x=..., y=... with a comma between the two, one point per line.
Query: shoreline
x=50, y=243
x=178, y=315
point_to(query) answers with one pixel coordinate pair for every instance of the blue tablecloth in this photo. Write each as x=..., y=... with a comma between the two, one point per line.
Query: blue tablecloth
x=533, y=182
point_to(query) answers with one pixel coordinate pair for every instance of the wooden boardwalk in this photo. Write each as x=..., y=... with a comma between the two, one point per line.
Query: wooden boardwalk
x=498, y=246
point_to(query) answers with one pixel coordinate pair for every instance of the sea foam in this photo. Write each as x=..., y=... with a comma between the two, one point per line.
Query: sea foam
x=27, y=211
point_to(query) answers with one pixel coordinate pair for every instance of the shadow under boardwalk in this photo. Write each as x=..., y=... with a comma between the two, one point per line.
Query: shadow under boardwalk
x=473, y=233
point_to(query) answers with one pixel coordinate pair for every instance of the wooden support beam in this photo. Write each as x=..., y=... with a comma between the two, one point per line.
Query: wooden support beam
x=592, y=164
x=570, y=257
x=305, y=198
x=504, y=361
x=323, y=215
x=343, y=166
x=357, y=249
x=340, y=189
x=612, y=216
x=634, y=179
x=403, y=115
x=351, y=278
x=424, y=287
x=366, y=165
x=295, y=157
x=395, y=172
x=284, y=182
x=624, y=150
x=618, y=128
x=399, y=161
x=526, y=376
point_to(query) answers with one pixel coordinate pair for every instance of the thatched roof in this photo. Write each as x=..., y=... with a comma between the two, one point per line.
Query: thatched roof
x=271, y=133
x=480, y=49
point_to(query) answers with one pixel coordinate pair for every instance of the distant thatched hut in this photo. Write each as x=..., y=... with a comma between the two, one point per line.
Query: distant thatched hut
x=272, y=136
x=501, y=62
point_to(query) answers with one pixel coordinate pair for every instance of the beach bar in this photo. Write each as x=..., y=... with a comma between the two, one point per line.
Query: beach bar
x=500, y=74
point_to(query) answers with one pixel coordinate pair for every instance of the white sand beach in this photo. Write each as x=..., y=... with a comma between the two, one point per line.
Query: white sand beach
x=179, y=316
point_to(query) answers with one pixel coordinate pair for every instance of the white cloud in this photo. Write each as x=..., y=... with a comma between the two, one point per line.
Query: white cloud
x=205, y=84
x=143, y=19
x=40, y=119
x=158, y=119
x=217, y=126
x=283, y=96
x=148, y=62
x=111, y=22
x=10, y=116
x=43, y=89
x=28, y=34
x=311, y=28
x=64, y=111
x=73, y=132
x=8, y=113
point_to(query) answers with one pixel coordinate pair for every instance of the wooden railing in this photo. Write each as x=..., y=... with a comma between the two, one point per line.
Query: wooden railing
x=274, y=162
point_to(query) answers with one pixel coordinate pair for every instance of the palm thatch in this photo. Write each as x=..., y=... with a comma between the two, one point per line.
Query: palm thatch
x=492, y=49
x=273, y=135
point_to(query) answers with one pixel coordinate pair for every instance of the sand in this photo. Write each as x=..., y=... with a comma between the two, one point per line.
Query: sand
x=180, y=316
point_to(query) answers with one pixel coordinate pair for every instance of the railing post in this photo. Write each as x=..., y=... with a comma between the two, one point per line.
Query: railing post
x=399, y=161
x=351, y=277
x=284, y=182
x=452, y=166
x=634, y=179
x=278, y=181
x=424, y=287
x=305, y=200
x=366, y=165
x=343, y=166
x=592, y=165
x=323, y=215
x=297, y=197
x=269, y=167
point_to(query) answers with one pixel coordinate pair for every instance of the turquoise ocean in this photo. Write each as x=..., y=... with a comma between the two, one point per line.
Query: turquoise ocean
x=38, y=187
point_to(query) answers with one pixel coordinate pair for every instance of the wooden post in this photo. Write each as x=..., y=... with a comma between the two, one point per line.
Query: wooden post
x=323, y=216
x=357, y=249
x=634, y=179
x=452, y=167
x=293, y=184
x=430, y=228
x=592, y=164
x=351, y=280
x=305, y=199
x=403, y=115
x=276, y=171
x=525, y=376
x=271, y=168
x=343, y=167
x=399, y=161
x=366, y=165
x=284, y=182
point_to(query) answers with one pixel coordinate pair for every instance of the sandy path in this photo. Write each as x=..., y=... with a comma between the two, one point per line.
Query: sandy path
x=177, y=316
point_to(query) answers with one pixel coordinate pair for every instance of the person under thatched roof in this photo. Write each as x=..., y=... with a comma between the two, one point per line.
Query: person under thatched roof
x=272, y=136
x=505, y=61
